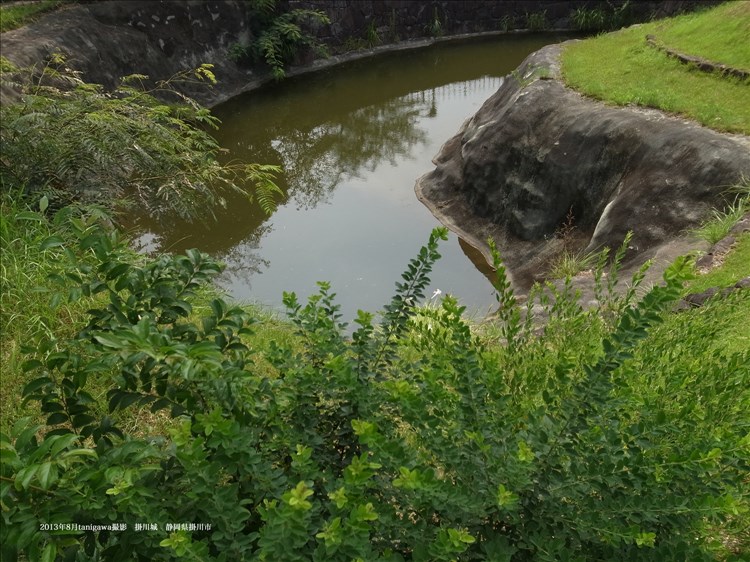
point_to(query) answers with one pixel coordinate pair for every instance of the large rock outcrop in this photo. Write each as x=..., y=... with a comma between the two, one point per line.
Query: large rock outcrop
x=537, y=151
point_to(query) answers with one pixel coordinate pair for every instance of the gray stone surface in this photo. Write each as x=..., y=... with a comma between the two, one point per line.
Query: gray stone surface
x=108, y=40
x=536, y=150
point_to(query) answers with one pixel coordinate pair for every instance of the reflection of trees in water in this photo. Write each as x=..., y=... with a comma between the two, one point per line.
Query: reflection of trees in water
x=234, y=238
x=319, y=136
x=316, y=159
x=243, y=260
x=241, y=255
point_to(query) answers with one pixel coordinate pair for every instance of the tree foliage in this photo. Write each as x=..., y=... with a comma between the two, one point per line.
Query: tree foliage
x=74, y=141
x=278, y=35
x=410, y=440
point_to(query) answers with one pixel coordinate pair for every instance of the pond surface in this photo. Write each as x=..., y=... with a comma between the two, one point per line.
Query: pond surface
x=352, y=141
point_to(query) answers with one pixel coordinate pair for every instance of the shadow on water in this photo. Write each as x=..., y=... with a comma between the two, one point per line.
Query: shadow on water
x=352, y=140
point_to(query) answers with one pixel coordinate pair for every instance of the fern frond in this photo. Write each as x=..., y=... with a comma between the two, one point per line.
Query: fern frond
x=263, y=177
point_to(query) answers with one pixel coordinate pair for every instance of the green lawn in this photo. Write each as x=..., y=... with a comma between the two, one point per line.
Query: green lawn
x=736, y=266
x=17, y=15
x=620, y=68
x=720, y=35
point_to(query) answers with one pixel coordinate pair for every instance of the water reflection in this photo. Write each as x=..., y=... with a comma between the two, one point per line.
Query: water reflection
x=352, y=141
x=316, y=160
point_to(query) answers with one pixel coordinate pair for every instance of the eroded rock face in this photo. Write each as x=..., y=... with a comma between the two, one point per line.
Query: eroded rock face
x=537, y=150
x=108, y=40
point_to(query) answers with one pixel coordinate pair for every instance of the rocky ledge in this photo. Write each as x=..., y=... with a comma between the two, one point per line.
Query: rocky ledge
x=539, y=157
x=108, y=40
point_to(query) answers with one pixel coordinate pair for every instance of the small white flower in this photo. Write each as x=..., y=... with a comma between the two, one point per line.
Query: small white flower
x=437, y=293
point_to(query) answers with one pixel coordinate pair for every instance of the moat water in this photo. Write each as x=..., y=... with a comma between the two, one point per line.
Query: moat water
x=352, y=141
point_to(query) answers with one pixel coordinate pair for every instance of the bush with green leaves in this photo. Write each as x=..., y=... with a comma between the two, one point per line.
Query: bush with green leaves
x=602, y=17
x=74, y=141
x=412, y=439
x=278, y=35
x=537, y=21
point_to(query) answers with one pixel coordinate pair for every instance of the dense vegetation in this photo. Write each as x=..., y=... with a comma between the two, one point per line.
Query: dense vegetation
x=74, y=142
x=645, y=76
x=279, y=35
x=618, y=432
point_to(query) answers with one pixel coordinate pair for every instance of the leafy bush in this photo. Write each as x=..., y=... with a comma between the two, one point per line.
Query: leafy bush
x=586, y=19
x=601, y=18
x=506, y=23
x=411, y=440
x=73, y=141
x=373, y=37
x=278, y=36
x=435, y=27
x=537, y=21
x=25, y=310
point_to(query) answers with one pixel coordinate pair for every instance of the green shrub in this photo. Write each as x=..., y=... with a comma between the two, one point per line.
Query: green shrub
x=73, y=141
x=373, y=37
x=279, y=36
x=601, y=18
x=506, y=23
x=406, y=441
x=25, y=311
x=435, y=27
x=586, y=19
x=537, y=21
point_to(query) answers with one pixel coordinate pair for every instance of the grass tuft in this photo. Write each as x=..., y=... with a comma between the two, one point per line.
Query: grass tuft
x=722, y=221
x=570, y=264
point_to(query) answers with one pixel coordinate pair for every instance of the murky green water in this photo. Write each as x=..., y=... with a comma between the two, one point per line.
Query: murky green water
x=352, y=141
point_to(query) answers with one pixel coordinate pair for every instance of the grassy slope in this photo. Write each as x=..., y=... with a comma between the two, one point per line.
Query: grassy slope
x=715, y=35
x=620, y=68
x=17, y=15
x=736, y=266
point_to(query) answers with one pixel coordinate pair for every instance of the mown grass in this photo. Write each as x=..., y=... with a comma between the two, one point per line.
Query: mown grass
x=719, y=35
x=736, y=266
x=18, y=15
x=620, y=68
